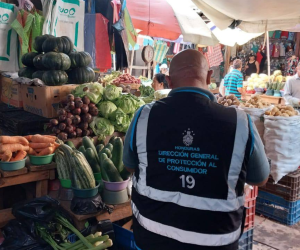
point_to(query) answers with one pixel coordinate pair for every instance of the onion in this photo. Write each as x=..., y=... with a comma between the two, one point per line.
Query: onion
x=83, y=125
x=94, y=111
x=76, y=119
x=62, y=136
x=86, y=100
x=78, y=132
x=54, y=122
x=76, y=111
x=84, y=109
x=92, y=105
x=70, y=98
x=73, y=134
x=55, y=130
x=69, y=121
x=61, y=112
x=69, y=129
x=87, y=118
x=62, y=126
x=77, y=99
x=62, y=118
x=71, y=105
x=85, y=133
x=78, y=103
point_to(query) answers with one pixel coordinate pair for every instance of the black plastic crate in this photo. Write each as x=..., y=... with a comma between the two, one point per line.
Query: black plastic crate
x=20, y=122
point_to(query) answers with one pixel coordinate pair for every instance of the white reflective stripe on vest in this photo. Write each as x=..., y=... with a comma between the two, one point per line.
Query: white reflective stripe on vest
x=240, y=142
x=185, y=236
x=232, y=203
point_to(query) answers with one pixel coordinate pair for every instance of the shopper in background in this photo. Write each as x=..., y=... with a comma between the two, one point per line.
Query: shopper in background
x=252, y=66
x=230, y=68
x=159, y=82
x=292, y=89
x=191, y=158
x=233, y=81
x=164, y=69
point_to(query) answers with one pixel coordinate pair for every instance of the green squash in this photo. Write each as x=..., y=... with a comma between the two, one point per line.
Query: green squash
x=38, y=42
x=55, y=77
x=80, y=59
x=27, y=59
x=38, y=74
x=37, y=62
x=58, y=44
x=81, y=75
x=58, y=61
x=26, y=72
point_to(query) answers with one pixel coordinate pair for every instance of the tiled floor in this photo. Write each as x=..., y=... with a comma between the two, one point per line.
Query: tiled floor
x=270, y=235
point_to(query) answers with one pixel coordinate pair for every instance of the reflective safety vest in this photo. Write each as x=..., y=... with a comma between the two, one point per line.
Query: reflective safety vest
x=192, y=168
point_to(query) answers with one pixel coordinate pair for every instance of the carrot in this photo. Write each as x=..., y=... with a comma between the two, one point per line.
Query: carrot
x=13, y=139
x=56, y=145
x=42, y=139
x=12, y=147
x=19, y=156
x=35, y=145
x=39, y=149
x=31, y=151
x=47, y=151
x=6, y=156
x=51, y=136
x=28, y=137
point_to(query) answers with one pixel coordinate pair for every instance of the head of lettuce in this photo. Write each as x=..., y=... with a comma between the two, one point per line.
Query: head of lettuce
x=102, y=127
x=106, y=108
x=93, y=90
x=112, y=92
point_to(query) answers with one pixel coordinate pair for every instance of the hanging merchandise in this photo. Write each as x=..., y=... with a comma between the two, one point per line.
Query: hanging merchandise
x=22, y=25
x=214, y=55
x=282, y=50
x=284, y=34
x=276, y=49
x=292, y=66
x=291, y=36
x=277, y=34
x=160, y=51
x=67, y=19
x=48, y=10
x=129, y=29
x=8, y=38
x=259, y=56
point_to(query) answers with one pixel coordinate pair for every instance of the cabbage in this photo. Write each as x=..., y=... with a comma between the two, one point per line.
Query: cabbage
x=106, y=108
x=128, y=103
x=140, y=102
x=112, y=92
x=94, y=91
x=123, y=127
x=118, y=117
x=254, y=75
x=146, y=90
x=147, y=99
x=102, y=127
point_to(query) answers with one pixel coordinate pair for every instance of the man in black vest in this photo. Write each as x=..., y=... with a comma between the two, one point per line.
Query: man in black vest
x=191, y=158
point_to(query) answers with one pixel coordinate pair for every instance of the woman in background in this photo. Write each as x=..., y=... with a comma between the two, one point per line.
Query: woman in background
x=159, y=82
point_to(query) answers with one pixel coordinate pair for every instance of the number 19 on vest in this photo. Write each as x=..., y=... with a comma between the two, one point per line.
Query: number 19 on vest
x=187, y=181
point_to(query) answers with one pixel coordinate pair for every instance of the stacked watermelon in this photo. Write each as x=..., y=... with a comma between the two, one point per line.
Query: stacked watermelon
x=56, y=62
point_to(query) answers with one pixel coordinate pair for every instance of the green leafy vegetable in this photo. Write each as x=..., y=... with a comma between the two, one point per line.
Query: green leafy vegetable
x=101, y=127
x=146, y=91
x=112, y=92
x=106, y=108
x=128, y=103
x=94, y=91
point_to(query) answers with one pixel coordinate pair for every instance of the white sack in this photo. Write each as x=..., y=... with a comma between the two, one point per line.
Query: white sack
x=8, y=38
x=282, y=144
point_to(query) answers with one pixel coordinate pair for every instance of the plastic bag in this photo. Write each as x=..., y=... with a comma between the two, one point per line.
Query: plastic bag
x=282, y=144
x=8, y=38
x=84, y=206
x=41, y=209
x=18, y=237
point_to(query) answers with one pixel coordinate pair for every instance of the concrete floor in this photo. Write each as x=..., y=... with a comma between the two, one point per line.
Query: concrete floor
x=270, y=235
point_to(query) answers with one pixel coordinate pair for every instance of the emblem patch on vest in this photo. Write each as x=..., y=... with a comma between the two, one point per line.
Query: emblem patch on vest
x=188, y=137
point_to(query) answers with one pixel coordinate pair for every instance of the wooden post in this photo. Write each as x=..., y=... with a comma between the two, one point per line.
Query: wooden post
x=227, y=59
x=149, y=70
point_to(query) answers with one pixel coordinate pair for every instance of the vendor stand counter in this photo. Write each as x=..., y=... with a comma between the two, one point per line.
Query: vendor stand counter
x=270, y=99
x=120, y=212
x=38, y=174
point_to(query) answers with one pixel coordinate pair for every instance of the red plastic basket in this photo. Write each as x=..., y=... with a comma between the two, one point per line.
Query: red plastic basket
x=252, y=193
x=250, y=214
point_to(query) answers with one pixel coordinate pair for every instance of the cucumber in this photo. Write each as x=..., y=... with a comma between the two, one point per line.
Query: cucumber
x=70, y=144
x=75, y=181
x=111, y=171
x=82, y=149
x=125, y=174
x=112, y=139
x=99, y=147
x=91, y=158
x=88, y=143
x=107, y=152
x=117, y=154
x=102, y=157
x=109, y=146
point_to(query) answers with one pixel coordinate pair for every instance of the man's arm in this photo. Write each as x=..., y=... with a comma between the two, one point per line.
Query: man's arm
x=258, y=168
x=288, y=95
x=257, y=67
x=240, y=86
x=222, y=88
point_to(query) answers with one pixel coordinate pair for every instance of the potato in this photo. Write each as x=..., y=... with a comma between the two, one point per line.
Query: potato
x=232, y=97
x=226, y=104
x=229, y=102
x=221, y=99
x=295, y=112
x=268, y=113
x=290, y=108
x=278, y=113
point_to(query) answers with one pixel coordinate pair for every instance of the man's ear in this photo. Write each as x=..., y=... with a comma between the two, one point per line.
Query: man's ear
x=169, y=81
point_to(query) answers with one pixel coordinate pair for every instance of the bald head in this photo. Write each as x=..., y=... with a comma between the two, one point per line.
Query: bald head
x=188, y=68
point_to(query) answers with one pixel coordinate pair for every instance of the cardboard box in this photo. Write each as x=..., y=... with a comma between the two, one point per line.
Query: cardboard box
x=11, y=92
x=44, y=101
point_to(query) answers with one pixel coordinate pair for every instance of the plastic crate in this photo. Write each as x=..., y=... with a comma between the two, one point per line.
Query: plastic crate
x=246, y=241
x=277, y=208
x=124, y=238
x=72, y=238
x=251, y=194
x=250, y=214
x=288, y=187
